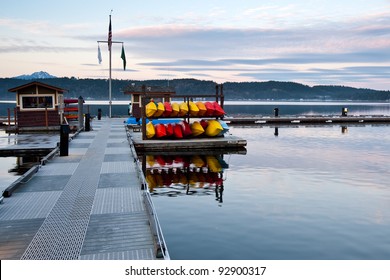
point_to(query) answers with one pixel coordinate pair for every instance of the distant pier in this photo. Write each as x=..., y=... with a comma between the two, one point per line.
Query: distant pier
x=307, y=119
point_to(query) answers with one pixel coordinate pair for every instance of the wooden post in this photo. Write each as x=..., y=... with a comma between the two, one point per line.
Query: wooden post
x=15, y=116
x=222, y=96
x=9, y=117
x=80, y=112
x=143, y=113
x=46, y=118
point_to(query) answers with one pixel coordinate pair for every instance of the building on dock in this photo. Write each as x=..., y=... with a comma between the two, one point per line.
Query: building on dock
x=38, y=105
x=139, y=92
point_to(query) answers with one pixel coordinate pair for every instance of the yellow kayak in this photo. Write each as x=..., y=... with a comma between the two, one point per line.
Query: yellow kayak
x=150, y=131
x=183, y=109
x=213, y=164
x=150, y=180
x=213, y=128
x=202, y=108
x=175, y=109
x=194, y=110
x=160, y=110
x=150, y=160
x=197, y=161
x=196, y=129
x=150, y=109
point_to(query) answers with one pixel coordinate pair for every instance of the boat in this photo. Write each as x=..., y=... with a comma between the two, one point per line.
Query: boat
x=160, y=130
x=169, y=129
x=183, y=109
x=213, y=128
x=225, y=127
x=218, y=111
x=160, y=110
x=167, y=109
x=193, y=108
x=175, y=109
x=150, y=131
x=202, y=108
x=177, y=131
x=186, y=128
x=196, y=129
x=150, y=109
x=209, y=109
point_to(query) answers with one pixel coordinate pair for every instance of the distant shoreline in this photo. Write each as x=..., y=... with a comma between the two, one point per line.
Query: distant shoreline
x=247, y=102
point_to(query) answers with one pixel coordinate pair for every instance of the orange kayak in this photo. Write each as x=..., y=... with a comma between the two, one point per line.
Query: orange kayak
x=202, y=108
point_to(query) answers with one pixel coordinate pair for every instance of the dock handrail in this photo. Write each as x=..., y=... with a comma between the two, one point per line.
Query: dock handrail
x=161, y=248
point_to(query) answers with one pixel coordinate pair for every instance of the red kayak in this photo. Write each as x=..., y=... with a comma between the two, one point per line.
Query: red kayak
x=168, y=109
x=177, y=131
x=186, y=128
x=160, y=130
x=209, y=109
x=169, y=129
x=218, y=111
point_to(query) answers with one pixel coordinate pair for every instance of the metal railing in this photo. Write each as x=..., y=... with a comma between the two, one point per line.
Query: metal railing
x=161, y=247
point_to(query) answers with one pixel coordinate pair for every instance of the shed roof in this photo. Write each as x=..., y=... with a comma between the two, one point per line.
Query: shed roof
x=35, y=83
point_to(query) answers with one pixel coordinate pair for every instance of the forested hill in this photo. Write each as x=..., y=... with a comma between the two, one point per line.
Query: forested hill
x=271, y=90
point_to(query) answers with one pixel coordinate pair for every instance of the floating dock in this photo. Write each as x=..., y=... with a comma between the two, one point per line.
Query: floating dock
x=91, y=204
x=28, y=144
x=228, y=142
x=296, y=120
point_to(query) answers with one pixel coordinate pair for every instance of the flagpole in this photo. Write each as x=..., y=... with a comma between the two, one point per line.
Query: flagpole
x=110, y=42
x=110, y=59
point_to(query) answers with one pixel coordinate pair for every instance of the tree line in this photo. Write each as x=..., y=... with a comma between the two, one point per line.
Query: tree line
x=271, y=90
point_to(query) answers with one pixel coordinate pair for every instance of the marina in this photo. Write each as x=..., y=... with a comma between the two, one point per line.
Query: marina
x=110, y=214
x=73, y=208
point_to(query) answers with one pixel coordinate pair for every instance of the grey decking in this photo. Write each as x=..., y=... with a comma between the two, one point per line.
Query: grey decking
x=88, y=205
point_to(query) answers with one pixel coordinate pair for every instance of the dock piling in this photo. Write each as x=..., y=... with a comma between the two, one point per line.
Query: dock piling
x=64, y=140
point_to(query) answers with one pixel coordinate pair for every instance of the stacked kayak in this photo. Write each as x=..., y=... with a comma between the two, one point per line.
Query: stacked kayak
x=183, y=109
x=183, y=129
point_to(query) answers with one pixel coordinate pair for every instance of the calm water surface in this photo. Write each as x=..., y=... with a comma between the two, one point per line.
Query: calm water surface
x=308, y=193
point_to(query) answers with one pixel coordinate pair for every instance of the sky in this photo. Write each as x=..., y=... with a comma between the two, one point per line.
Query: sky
x=311, y=42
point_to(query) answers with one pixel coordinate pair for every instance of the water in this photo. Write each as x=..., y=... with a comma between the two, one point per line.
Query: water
x=309, y=193
x=316, y=192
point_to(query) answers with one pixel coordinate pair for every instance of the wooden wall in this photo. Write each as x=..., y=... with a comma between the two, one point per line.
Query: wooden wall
x=37, y=118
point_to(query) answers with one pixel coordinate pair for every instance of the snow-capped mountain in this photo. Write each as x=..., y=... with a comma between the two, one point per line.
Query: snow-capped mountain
x=35, y=76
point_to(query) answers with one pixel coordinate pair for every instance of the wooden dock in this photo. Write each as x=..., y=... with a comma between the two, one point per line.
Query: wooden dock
x=88, y=205
x=307, y=119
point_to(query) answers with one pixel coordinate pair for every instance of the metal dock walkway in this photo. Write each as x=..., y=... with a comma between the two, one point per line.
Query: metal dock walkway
x=88, y=205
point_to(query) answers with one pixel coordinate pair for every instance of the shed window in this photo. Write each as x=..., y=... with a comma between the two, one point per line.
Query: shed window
x=37, y=102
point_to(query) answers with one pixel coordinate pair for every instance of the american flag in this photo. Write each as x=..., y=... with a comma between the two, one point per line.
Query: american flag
x=109, y=36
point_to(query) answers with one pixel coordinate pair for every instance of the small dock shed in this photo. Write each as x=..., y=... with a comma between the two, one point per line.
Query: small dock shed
x=139, y=92
x=38, y=105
